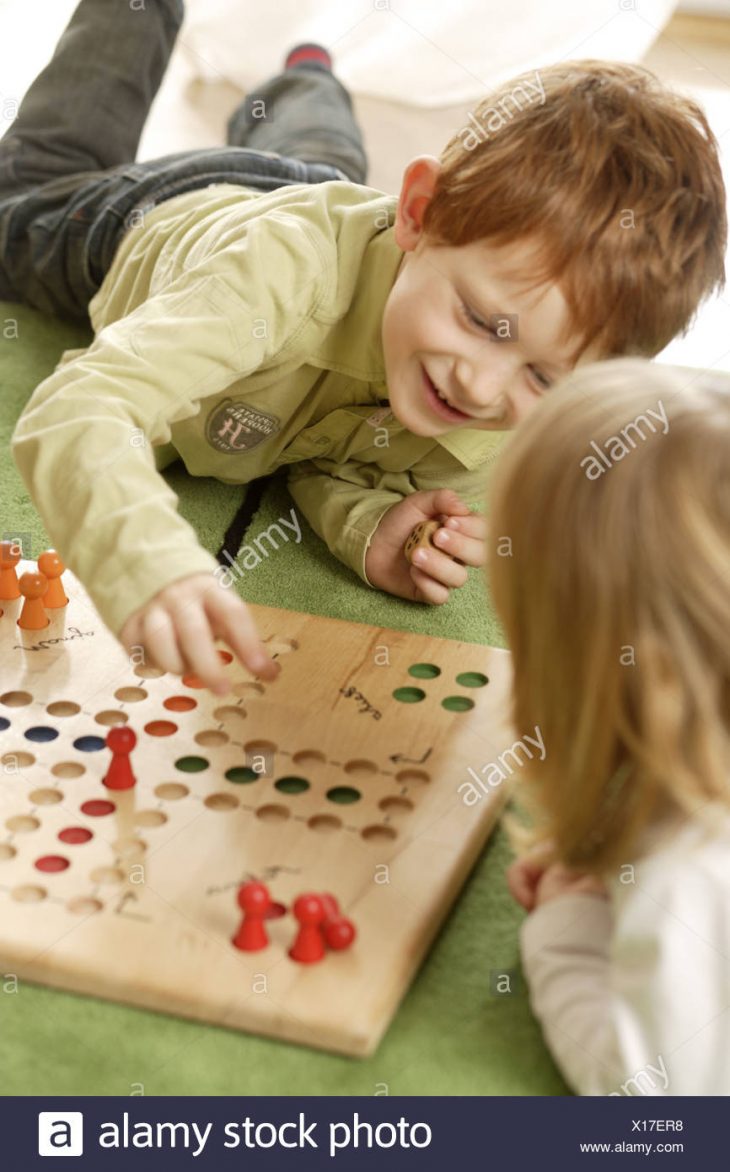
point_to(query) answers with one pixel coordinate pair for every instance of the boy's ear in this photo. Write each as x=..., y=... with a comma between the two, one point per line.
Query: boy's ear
x=419, y=183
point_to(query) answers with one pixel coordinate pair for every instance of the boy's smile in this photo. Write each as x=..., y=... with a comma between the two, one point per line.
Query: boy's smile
x=466, y=343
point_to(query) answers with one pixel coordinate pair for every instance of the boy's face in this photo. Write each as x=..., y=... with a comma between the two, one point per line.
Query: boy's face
x=493, y=371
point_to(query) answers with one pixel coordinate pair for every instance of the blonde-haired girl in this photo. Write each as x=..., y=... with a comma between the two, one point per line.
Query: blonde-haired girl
x=610, y=569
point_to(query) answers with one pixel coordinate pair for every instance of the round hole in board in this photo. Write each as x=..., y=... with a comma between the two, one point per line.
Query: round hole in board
x=413, y=777
x=292, y=785
x=51, y=864
x=7, y=852
x=4, y=723
x=396, y=806
x=130, y=695
x=22, y=824
x=192, y=764
x=148, y=673
x=241, y=775
x=424, y=671
x=260, y=748
x=67, y=769
x=272, y=813
x=343, y=795
x=225, y=656
x=109, y=717
x=84, y=905
x=129, y=849
x=107, y=876
x=28, y=894
x=409, y=695
x=192, y=681
x=360, y=768
x=378, y=834
x=211, y=738
x=46, y=797
x=472, y=679
x=171, y=791
x=97, y=808
x=245, y=688
x=150, y=818
x=19, y=760
x=222, y=802
x=179, y=703
x=63, y=708
x=160, y=728
x=457, y=703
x=324, y=823
x=309, y=757
x=280, y=646
x=75, y=835
x=16, y=699
x=41, y=734
x=89, y=744
x=229, y=712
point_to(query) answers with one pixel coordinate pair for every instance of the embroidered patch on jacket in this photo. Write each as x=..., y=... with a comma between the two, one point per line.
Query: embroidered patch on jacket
x=377, y=417
x=234, y=427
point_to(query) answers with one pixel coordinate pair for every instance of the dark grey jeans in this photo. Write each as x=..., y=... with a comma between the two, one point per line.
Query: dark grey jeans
x=69, y=185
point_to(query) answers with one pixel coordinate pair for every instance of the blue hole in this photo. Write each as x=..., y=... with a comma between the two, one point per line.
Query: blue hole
x=41, y=732
x=89, y=744
x=4, y=724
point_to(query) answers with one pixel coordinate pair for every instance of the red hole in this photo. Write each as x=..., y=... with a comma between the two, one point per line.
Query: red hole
x=160, y=728
x=97, y=808
x=51, y=863
x=75, y=835
x=180, y=703
x=192, y=681
x=226, y=656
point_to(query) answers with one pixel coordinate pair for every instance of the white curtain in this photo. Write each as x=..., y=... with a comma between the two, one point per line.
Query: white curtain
x=425, y=55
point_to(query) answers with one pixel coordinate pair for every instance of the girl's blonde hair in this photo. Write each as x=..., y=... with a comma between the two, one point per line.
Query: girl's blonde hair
x=610, y=570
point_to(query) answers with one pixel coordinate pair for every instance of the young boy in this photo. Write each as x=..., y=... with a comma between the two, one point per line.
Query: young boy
x=254, y=310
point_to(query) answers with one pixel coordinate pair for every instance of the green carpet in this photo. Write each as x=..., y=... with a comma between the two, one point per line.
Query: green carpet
x=451, y=1036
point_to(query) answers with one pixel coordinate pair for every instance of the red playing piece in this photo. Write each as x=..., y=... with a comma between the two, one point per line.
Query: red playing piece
x=33, y=616
x=9, y=558
x=50, y=564
x=309, y=944
x=339, y=934
x=254, y=901
x=121, y=740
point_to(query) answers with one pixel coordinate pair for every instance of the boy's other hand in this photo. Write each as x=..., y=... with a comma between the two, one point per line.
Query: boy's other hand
x=177, y=630
x=435, y=573
x=559, y=880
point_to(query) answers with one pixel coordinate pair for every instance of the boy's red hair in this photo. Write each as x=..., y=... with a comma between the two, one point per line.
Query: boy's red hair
x=617, y=180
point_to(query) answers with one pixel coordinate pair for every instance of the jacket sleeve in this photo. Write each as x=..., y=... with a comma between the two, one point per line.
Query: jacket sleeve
x=633, y=1001
x=83, y=444
x=344, y=503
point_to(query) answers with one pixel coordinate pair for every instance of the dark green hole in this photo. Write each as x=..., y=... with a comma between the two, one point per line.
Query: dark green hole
x=292, y=785
x=344, y=795
x=241, y=774
x=191, y=764
x=424, y=671
x=457, y=703
x=409, y=695
x=472, y=679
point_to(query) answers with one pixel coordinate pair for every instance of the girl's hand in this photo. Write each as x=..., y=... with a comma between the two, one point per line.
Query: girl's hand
x=524, y=874
x=558, y=880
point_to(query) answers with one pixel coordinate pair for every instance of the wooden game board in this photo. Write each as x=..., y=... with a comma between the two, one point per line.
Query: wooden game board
x=359, y=798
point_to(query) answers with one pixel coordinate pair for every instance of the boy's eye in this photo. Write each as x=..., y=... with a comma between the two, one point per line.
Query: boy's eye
x=542, y=380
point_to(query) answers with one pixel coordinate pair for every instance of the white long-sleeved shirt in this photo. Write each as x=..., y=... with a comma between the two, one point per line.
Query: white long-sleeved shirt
x=633, y=991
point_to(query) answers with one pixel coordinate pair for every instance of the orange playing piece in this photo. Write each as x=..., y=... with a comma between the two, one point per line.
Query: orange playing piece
x=50, y=564
x=33, y=616
x=9, y=558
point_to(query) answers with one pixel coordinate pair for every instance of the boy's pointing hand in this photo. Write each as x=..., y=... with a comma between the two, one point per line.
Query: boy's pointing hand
x=177, y=630
x=434, y=572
